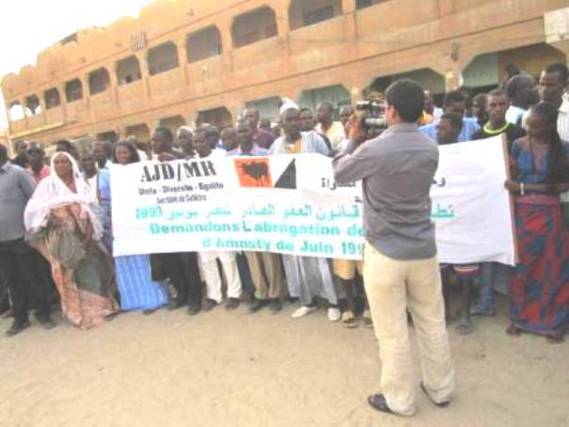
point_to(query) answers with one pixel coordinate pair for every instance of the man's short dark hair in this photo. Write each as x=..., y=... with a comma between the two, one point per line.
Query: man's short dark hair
x=212, y=131
x=327, y=105
x=515, y=82
x=407, y=97
x=512, y=69
x=164, y=133
x=480, y=97
x=497, y=92
x=63, y=145
x=560, y=69
x=3, y=153
x=34, y=146
x=454, y=119
x=304, y=109
x=453, y=96
x=201, y=131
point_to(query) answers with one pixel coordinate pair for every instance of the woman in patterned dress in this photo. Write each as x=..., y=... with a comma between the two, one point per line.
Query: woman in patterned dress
x=540, y=171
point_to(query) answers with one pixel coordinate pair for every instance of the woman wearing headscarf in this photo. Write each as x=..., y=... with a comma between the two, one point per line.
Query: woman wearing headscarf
x=539, y=292
x=134, y=276
x=62, y=226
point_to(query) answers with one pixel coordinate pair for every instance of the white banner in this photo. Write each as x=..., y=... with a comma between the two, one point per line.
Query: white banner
x=290, y=204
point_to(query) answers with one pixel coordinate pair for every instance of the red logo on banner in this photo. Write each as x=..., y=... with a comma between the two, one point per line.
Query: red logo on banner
x=254, y=172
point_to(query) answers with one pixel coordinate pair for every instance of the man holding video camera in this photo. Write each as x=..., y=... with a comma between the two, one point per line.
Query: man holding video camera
x=401, y=269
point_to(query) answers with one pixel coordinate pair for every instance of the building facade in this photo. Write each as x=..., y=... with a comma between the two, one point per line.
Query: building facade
x=190, y=61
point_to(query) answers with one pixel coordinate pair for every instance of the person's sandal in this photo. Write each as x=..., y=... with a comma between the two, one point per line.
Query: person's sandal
x=439, y=404
x=556, y=338
x=349, y=320
x=513, y=331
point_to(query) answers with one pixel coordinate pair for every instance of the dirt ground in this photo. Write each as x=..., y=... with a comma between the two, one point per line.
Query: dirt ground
x=237, y=369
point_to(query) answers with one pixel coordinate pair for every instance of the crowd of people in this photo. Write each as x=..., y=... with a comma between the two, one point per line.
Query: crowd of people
x=56, y=242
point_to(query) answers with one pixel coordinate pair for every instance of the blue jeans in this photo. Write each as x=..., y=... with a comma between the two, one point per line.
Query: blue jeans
x=493, y=275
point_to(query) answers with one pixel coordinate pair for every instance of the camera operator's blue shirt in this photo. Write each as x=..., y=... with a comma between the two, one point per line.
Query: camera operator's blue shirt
x=469, y=128
x=397, y=170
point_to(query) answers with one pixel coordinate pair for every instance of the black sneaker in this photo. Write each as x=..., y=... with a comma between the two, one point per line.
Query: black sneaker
x=17, y=327
x=209, y=304
x=232, y=303
x=276, y=306
x=257, y=304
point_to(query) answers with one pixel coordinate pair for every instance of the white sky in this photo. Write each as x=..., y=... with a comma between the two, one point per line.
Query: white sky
x=29, y=26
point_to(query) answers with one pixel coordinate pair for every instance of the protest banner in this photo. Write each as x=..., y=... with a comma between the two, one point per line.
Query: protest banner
x=290, y=204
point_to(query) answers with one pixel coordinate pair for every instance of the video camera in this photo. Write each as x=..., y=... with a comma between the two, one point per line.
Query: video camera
x=374, y=117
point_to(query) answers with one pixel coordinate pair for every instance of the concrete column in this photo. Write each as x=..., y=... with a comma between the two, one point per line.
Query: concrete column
x=122, y=132
x=9, y=117
x=283, y=25
x=452, y=66
x=41, y=98
x=63, y=100
x=293, y=94
x=8, y=114
x=86, y=94
x=227, y=43
x=281, y=15
x=182, y=49
x=114, y=83
x=141, y=56
x=350, y=21
x=23, y=104
x=556, y=29
x=356, y=85
x=446, y=7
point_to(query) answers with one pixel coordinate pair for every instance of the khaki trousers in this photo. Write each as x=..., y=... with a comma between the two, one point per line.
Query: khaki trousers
x=266, y=267
x=392, y=286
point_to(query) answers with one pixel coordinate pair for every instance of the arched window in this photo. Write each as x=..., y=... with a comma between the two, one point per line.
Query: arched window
x=33, y=105
x=302, y=13
x=360, y=4
x=128, y=70
x=73, y=90
x=52, y=98
x=16, y=111
x=253, y=26
x=99, y=81
x=162, y=58
x=219, y=117
x=203, y=44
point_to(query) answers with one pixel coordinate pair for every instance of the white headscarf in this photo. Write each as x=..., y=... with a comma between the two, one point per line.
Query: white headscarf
x=288, y=104
x=52, y=192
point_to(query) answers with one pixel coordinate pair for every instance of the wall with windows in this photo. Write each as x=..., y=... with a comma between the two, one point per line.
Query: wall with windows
x=188, y=58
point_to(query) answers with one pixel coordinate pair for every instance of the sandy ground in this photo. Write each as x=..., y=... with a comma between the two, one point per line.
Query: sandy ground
x=237, y=369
